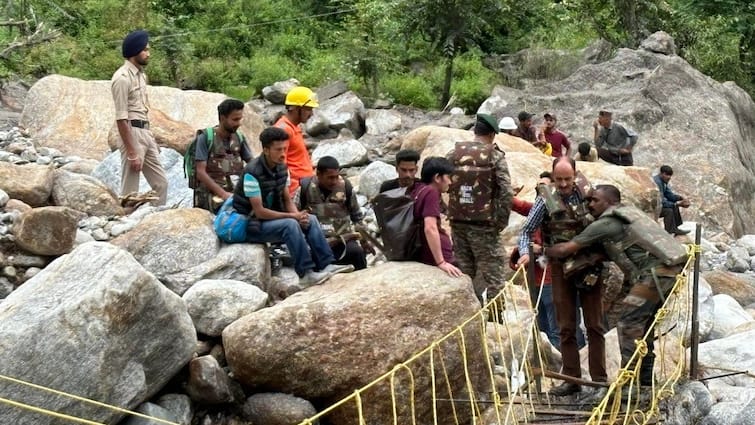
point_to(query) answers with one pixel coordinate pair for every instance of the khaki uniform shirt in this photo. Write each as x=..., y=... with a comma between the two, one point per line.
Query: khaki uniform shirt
x=129, y=88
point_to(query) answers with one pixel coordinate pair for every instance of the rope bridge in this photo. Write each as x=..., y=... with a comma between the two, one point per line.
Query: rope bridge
x=490, y=369
x=511, y=355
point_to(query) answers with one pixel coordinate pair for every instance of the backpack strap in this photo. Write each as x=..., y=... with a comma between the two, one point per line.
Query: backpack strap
x=303, y=189
x=210, y=132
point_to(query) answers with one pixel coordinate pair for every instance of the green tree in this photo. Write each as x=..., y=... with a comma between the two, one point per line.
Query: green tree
x=450, y=26
x=738, y=17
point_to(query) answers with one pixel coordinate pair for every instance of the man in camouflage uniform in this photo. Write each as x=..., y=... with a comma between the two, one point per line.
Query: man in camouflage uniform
x=222, y=159
x=480, y=199
x=561, y=212
x=649, y=256
x=330, y=197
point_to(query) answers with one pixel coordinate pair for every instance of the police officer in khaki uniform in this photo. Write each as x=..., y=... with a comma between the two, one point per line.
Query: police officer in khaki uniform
x=139, y=152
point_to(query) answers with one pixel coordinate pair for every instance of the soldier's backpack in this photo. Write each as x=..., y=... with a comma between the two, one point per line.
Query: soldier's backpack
x=190, y=165
x=473, y=186
x=394, y=211
x=648, y=235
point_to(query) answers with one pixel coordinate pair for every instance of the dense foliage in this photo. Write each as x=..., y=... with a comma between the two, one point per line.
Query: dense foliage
x=426, y=53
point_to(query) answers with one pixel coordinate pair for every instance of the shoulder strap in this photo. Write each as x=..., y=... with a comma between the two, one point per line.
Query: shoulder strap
x=240, y=135
x=210, y=131
x=304, y=188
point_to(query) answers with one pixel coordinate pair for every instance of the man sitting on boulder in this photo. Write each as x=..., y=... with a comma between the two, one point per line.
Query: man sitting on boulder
x=670, y=202
x=406, y=167
x=436, y=249
x=262, y=193
x=218, y=161
x=331, y=198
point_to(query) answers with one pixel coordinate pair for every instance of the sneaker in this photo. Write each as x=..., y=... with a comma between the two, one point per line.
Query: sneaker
x=312, y=278
x=565, y=389
x=337, y=268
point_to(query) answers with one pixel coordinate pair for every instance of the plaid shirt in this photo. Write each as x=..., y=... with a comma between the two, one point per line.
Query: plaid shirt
x=535, y=220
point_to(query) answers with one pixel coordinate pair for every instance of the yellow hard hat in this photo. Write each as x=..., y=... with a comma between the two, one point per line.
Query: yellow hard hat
x=302, y=96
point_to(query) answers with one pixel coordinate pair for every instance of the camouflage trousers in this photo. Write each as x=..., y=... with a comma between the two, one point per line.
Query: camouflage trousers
x=206, y=200
x=480, y=254
x=639, y=308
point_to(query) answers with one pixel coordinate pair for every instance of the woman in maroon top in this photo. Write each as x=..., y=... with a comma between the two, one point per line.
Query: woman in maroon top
x=436, y=249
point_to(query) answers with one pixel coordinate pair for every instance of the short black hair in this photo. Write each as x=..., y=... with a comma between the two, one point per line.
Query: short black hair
x=327, y=163
x=545, y=175
x=481, y=128
x=435, y=165
x=613, y=194
x=565, y=158
x=407, y=155
x=229, y=105
x=271, y=135
x=584, y=148
x=665, y=169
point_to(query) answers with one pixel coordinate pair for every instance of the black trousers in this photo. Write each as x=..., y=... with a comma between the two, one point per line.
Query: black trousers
x=672, y=218
x=615, y=158
x=351, y=253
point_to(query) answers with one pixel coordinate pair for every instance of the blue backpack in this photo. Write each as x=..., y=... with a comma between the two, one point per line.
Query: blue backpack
x=229, y=225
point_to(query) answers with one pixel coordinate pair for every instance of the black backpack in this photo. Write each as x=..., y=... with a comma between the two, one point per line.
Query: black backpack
x=400, y=230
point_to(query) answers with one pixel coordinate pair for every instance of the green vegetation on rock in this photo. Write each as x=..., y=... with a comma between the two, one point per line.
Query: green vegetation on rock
x=420, y=52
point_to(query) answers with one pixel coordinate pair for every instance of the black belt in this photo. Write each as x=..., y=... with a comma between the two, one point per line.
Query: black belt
x=140, y=124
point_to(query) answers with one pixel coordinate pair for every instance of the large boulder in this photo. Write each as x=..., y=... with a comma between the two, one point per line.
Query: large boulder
x=675, y=109
x=170, y=241
x=244, y=262
x=85, y=325
x=690, y=403
x=731, y=353
x=29, y=183
x=382, y=121
x=109, y=172
x=84, y=193
x=346, y=149
x=373, y=176
x=739, y=286
x=47, y=230
x=729, y=316
x=277, y=409
x=215, y=304
x=326, y=341
x=75, y=116
x=343, y=111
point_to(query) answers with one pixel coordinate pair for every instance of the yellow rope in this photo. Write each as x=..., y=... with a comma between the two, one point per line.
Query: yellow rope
x=83, y=399
x=48, y=412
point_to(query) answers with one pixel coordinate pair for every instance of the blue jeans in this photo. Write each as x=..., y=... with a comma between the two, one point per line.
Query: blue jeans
x=308, y=247
x=546, y=314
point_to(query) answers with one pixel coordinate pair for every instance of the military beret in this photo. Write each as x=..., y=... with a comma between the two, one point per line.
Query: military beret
x=489, y=121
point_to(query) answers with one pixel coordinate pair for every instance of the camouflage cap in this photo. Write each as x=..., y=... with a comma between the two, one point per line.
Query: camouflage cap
x=490, y=121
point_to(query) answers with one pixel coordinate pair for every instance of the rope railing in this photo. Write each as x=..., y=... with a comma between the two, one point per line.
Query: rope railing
x=507, y=390
x=512, y=396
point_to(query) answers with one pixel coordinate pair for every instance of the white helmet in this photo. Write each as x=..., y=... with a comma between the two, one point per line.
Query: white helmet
x=507, y=123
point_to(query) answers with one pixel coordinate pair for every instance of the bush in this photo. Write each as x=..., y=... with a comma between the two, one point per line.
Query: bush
x=211, y=74
x=410, y=89
x=265, y=68
x=472, y=82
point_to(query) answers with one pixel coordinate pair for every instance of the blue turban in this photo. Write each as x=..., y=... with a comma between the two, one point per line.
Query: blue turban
x=134, y=43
